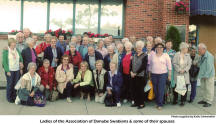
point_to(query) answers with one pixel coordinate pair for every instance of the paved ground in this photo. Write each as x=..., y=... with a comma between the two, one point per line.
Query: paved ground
x=82, y=107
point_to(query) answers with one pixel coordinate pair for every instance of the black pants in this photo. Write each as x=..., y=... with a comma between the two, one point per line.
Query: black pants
x=68, y=90
x=183, y=98
x=127, y=88
x=138, y=90
x=86, y=89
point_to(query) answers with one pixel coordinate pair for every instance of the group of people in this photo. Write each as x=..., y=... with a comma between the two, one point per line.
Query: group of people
x=120, y=69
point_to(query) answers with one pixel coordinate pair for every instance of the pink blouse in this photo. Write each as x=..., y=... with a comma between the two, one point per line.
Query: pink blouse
x=159, y=65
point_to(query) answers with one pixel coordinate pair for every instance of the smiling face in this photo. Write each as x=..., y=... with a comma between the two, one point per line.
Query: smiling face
x=99, y=66
x=72, y=48
x=46, y=64
x=32, y=69
x=53, y=43
x=159, y=49
x=83, y=67
x=61, y=38
x=169, y=45
x=65, y=60
x=112, y=67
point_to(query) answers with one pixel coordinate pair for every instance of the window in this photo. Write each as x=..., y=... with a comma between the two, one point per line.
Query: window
x=61, y=14
x=111, y=17
x=86, y=16
x=10, y=12
x=35, y=16
x=96, y=16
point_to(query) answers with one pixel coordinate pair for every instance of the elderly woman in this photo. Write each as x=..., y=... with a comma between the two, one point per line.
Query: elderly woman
x=20, y=42
x=75, y=58
x=79, y=41
x=42, y=46
x=113, y=80
x=100, y=86
x=64, y=76
x=84, y=81
x=124, y=40
x=29, y=54
x=30, y=85
x=74, y=40
x=108, y=58
x=194, y=70
x=101, y=48
x=117, y=58
x=27, y=33
x=160, y=64
x=12, y=62
x=126, y=67
x=138, y=75
x=182, y=64
x=53, y=53
x=47, y=74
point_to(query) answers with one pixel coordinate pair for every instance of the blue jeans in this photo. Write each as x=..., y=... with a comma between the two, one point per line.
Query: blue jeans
x=193, y=90
x=159, y=83
x=11, y=82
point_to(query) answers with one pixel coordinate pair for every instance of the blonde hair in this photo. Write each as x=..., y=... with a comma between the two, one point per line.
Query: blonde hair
x=10, y=41
x=99, y=62
x=140, y=43
x=84, y=63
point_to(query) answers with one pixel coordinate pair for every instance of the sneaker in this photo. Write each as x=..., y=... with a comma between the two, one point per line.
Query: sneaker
x=125, y=101
x=17, y=101
x=69, y=100
x=132, y=102
x=119, y=104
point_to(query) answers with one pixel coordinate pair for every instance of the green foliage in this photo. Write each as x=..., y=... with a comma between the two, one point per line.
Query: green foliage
x=174, y=35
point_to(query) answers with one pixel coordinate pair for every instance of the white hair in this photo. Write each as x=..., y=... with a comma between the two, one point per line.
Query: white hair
x=140, y=43
x=29, y=40
x=19, y=33
x=183, y=45
x=202, y=45
x=125, y=39
x=30, y=65
x=119, y=45
x=111, y=46
x=128, y=44
x=159, y=39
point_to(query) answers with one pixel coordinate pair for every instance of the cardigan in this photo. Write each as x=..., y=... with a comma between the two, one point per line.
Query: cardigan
x=117, y=81
x=139, y=64
x=5, y=60
x=186, y=67
x=26, y=86
x=87, y=78
x=61, y=77
x=47, y=78
x=27, y=57
x=48, y=54
x=76, y=59
x=99, y=83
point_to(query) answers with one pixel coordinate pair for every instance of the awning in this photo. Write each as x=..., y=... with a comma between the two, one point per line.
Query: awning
x=203, y=7
x=106, y=2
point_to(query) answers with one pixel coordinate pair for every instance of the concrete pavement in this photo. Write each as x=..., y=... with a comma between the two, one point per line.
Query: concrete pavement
x=82, y=107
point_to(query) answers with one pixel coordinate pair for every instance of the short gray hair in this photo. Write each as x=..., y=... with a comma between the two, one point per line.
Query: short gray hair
x=30, y=65
x=140, y=43
x=72, y=44
x=29, y=40
x=202, y=45
x=125, y=39
x=119, y=45
x=46, y=60
x=111, y=46
x=183, y=45
x=19, y=33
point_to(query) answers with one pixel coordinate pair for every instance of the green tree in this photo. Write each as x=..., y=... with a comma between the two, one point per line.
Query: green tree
x=174, y=35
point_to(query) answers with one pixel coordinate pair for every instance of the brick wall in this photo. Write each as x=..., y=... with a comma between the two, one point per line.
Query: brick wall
x=150, y=17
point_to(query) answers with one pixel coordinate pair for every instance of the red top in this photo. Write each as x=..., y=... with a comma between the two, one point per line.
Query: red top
x=75, y=59
x=41, y=47
x=126, y=61
x=47, y=78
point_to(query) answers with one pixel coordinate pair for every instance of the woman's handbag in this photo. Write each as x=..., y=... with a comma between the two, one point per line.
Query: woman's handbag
x=54, y=95
x=39, y=99
x=151, y=94
x=109, y=101
x=181, y=86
